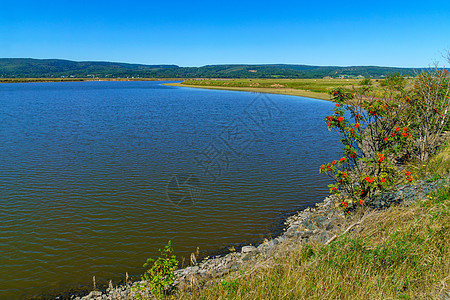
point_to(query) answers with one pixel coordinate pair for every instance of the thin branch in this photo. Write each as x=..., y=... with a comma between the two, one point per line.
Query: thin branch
x=347, y=230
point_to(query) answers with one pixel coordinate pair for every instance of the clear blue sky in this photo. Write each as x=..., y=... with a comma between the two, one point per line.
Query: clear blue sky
x=195, y=33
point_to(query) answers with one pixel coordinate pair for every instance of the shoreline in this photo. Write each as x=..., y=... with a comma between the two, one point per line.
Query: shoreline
x=215, y=266
x=83, y=291
x=275, y=91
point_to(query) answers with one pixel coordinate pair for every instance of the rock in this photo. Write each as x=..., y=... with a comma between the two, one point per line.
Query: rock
x=272, y=243
x=245, y=257
x=267, y=245
x=281, y=239
x=406, y=194
x=247, y=249
x=95, y=294
x=292, y=228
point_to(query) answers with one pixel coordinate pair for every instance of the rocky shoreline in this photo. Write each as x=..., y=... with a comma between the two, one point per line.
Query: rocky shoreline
x=318, y=224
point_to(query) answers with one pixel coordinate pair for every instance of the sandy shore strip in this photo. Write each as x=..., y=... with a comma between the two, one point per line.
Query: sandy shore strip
x=282, y=91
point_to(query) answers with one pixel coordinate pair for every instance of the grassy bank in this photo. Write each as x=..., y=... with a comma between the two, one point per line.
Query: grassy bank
x=402, y=253
x=398, y=253
x=312, y=88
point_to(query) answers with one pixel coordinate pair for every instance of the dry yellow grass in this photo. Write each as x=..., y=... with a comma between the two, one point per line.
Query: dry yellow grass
x=282, y=91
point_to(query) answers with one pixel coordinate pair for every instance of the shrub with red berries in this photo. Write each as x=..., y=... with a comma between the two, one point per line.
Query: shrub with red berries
x=372, y=133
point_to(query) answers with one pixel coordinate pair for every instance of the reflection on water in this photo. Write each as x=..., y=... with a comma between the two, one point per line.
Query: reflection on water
x=95, y=176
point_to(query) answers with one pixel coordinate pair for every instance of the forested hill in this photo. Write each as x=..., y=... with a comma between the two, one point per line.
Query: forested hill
x=47, y=68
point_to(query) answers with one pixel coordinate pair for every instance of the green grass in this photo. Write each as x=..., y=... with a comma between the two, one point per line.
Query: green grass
x=313, y=88
x=313, y=85
x=440, y=163
x=435, y=167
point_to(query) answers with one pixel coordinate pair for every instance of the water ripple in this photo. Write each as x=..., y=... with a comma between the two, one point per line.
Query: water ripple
x=85, y=170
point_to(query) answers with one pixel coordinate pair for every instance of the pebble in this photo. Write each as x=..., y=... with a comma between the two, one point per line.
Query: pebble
x=247, y=249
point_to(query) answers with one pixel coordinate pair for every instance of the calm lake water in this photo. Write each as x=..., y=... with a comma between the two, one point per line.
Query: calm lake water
x=96, y=176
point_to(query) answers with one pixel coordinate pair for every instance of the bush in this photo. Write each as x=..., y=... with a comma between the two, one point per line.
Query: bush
x=373, y=138
x=382, y=131
x=160, y=276
x=428, y=111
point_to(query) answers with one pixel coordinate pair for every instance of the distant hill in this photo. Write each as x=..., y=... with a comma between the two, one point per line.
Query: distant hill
x=48, y=68
x=33, y=68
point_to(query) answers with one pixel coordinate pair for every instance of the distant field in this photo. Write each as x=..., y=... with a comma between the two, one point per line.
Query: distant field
x=313, y=88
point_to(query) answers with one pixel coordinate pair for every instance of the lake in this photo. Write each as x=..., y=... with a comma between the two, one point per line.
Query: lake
x=96, y=176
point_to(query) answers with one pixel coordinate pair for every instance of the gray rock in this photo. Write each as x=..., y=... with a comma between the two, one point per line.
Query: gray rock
x=246, y=257
x=272, y=243
x=406, y=194
x=293, y=227
x=267, y=245
x=94, y=294
x=247, y=249
x=281, y=239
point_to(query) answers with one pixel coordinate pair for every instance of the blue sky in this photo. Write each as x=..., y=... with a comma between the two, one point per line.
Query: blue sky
x=196, y=33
